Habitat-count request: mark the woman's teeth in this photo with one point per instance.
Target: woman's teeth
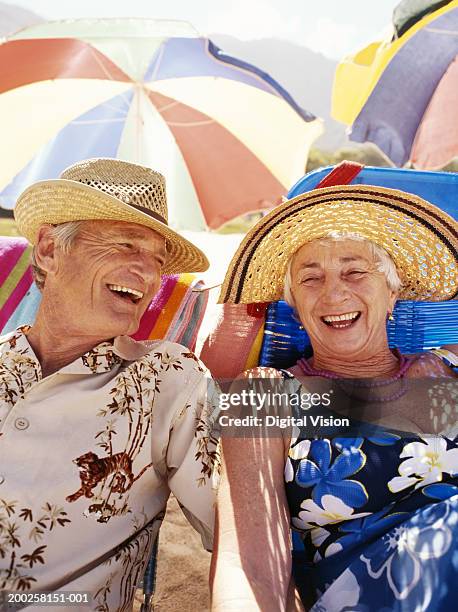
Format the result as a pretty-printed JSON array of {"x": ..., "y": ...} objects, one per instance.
[{"x": 341, "y": 321}]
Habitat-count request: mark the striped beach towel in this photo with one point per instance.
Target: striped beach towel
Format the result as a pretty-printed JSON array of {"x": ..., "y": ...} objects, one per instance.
[{"x": 175, "y": 313}]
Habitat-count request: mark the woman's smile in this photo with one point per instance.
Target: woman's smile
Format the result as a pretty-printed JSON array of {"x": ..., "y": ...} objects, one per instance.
[{"x": 342, "y": 321}]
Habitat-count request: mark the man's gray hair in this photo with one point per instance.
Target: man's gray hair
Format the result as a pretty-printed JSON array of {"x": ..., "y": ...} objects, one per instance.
[
  {"x": 64, "y": 235},
  {"x": 382, "y": 259}
]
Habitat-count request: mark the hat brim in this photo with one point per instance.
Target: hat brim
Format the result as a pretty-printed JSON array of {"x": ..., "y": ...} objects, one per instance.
[
  {"x": 61, "y": 200},
  {"x": 421, "y": 239}
]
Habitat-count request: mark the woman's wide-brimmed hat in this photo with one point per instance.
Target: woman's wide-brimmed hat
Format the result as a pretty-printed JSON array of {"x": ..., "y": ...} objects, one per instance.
[
  {"x": 107, "y": 190},
  {"x": 421, "y": 239}
]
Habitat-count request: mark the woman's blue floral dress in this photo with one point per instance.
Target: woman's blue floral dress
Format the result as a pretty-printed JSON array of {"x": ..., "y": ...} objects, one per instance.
[{"x": 375, "y": 522}]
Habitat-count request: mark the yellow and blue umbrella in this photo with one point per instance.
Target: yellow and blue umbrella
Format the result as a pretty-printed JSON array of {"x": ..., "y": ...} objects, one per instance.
[
  {"x": 400, "y": 93},
  {"x": 228, "y": 138}
]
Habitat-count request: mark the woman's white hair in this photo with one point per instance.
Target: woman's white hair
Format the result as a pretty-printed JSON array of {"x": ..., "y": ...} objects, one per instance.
[
  {"x": 382, "y": 259},
  {"x": 64, "y": 235}
]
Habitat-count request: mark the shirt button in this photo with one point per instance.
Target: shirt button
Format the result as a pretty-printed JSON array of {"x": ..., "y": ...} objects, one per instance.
[
  {"x": 29, "y": 375},
  {"x": 2, "y": 479},
  {"x": 21, "y": 423}
]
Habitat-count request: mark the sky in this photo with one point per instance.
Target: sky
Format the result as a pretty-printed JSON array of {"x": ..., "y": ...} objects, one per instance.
[{"x": 333, "y": 27}]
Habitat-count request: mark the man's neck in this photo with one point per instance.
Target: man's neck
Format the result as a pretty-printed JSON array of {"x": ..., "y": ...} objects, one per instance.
[{"x": 56, "y": 346}]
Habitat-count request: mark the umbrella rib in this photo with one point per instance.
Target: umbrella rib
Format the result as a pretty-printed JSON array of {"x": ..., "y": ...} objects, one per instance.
[
  {"x": 103, "y": 68},
  {"x": 439, "y": 31},
  {"x": 168, "y": 106},
  {"x": 158, "y": 62},
  {"x": 89, "y": 121},
  {"x": 189, "y": 123},
  {"x": 109, "y": 106}
]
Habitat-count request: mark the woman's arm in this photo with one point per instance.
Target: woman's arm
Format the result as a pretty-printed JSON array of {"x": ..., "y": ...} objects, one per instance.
[{"x": 251, "y": 565}]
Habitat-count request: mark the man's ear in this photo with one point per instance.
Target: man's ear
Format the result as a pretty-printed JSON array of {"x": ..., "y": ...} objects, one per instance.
[{"x": 45, "y": 250}]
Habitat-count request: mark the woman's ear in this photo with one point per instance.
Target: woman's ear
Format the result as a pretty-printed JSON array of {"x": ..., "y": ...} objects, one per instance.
[
  {"x": 392, "y": 299},
  {"x": 45, "y": 250}
]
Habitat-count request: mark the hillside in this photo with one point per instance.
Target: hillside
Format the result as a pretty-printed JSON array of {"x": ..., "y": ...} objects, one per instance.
[{"x": 13, "y": 18}]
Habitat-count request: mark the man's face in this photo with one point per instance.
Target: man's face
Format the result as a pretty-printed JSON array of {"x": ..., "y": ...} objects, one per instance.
[{"x": 106, "y": 281}]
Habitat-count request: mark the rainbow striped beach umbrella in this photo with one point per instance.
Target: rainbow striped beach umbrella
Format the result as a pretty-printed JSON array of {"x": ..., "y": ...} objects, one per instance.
[
  {"x": 227, "y": 137},
  {"x": 401, "y": 93}
]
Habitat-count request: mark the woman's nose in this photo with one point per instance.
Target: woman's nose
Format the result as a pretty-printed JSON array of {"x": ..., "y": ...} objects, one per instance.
[{"x": 334, "y": 290}]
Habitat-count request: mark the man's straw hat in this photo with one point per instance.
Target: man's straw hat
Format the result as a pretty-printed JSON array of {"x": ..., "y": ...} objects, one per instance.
[
  {"x": 421, "y": 239},
  {"x": 110, "y": 190}
]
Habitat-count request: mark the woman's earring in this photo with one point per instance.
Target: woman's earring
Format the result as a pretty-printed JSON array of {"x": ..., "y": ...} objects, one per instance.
[{"x": 390, "y": 316}]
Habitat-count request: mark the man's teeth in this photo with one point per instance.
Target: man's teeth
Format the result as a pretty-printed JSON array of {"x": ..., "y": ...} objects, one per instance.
[
  {"x": 122, "y": 289},
  {"x": 344, "y": 317}
]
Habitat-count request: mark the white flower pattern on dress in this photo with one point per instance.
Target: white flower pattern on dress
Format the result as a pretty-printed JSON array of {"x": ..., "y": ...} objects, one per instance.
[
  {"x": 300, "y": 451},
  {"x": 333, "y": 511},
  {"x": 407, "y": 546},
  {"x": 424, "y": 464}
]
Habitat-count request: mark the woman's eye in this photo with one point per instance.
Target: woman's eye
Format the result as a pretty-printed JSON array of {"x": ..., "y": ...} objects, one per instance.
[{"x": 126, "y": 245}]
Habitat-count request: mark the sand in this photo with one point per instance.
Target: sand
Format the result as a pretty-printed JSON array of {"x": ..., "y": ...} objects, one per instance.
[
  {"x": 183, "y": 564},
  {"x": 182, "y": 568}
]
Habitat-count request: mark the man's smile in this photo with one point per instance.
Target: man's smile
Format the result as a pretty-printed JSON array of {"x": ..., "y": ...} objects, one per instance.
[{"x": 127, "y": 293}]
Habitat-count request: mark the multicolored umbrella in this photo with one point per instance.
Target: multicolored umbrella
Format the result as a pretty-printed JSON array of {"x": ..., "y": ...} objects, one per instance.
[
  {"x": 401, "y": 94},
  {"x": 227, "y": 137}
]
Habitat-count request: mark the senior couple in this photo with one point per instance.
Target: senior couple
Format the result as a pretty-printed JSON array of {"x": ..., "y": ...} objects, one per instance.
[{"x": 97, "y": 429}]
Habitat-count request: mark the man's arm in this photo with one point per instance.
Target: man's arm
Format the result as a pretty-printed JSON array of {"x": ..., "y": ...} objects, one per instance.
[
  {"x": 193, "y": 456},
  {"x": 251, "y": 565}
]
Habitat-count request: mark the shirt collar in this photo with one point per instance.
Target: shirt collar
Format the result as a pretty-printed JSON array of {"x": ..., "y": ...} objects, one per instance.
[{"x": 102, "y": 358}]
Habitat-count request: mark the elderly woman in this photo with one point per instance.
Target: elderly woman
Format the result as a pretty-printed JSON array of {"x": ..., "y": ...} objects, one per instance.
[{"x": 377, "y": 510}]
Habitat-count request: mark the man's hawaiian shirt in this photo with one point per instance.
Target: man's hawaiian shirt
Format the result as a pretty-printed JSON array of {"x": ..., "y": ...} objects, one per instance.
[{"x": 88, "y": 458}]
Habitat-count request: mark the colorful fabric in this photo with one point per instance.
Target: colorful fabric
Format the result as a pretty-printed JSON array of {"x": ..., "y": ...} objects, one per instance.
[
  {"x": 89, "y": 456},
  {"x": 449, "y": 358},
  {"x": 436, "y": 140},
  {"x": 386, "y": 90},
  {"x": 15, "y": 276},
  {"x": 174, "y": 314},
  {"x": 239, "y": 332},
  {"x": 156, "y": 93},
  {"x": 377, "y": 514}
]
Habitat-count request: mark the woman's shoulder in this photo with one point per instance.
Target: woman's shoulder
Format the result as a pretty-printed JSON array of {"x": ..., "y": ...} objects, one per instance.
[{"x": 434, "y": 364}]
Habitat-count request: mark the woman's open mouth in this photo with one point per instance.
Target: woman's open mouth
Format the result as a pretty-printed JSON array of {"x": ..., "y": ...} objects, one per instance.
[
  {"x": 126, "y": 293},
  {"x": 343, "y": 321}
]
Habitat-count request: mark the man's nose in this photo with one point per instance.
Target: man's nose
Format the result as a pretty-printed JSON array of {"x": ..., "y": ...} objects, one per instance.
[{"x": 145, "y": 265}]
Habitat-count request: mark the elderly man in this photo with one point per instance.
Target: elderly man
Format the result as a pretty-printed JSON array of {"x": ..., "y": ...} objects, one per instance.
[{"x": 96, "y": 429}]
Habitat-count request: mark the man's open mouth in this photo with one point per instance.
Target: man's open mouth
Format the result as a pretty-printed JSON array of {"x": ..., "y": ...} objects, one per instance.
[
  {"x": 342, "y": 321},
  {"x": 127, "y": 293}
]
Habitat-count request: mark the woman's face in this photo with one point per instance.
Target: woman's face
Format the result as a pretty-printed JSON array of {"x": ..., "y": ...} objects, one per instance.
[{"x": 341, "y": 297}]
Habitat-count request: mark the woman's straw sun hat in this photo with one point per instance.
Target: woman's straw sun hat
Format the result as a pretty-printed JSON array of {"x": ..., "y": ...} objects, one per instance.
[
  {"x": 421, "y": 239},
  {"x": 108, "y": 190}
]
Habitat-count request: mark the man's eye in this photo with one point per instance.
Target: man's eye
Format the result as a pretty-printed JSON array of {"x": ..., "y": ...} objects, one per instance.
[
  {"x": 356, "y": 273},
  {"x": 309, "y": 280},
  {"x": 126, "y": 245}
]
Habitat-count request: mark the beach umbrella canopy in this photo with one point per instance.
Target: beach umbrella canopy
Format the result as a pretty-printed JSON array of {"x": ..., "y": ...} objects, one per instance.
[
  {"x": 227, "y": 137},
  {"x": 401, "y": 93}
]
